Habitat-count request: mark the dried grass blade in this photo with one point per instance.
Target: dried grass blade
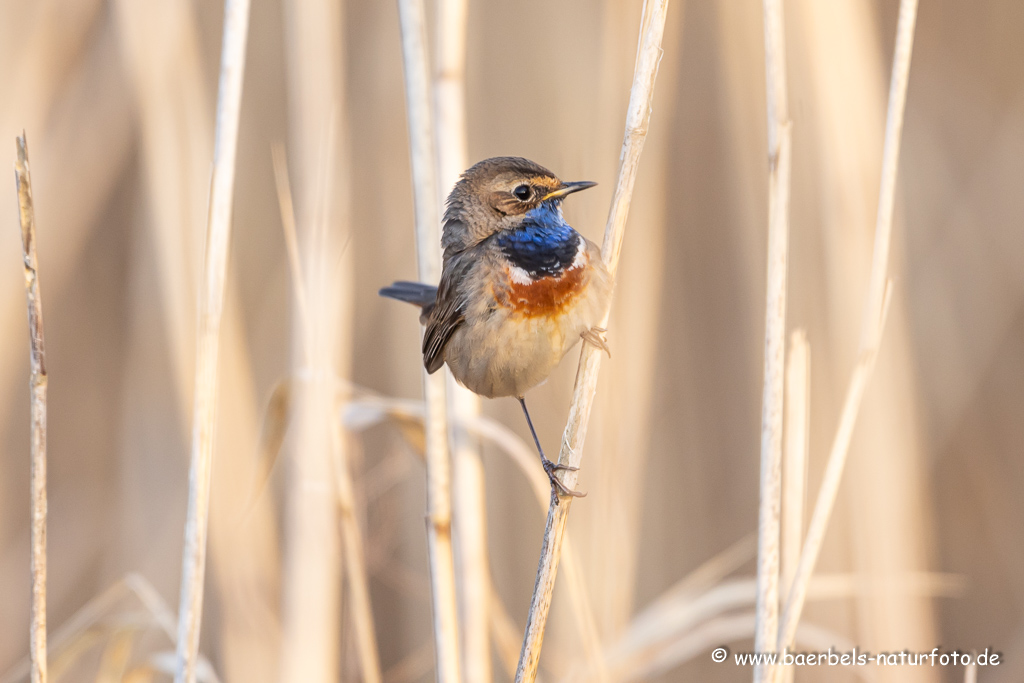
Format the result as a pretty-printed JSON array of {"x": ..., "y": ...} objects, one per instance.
[
  {"x": 412, "y": 18},
  {"x": 637, "y": 118},
  {"x": 872, "y": 326},
  {"x": 37, "y": 387},
  {"x": 236, "y": 29}
]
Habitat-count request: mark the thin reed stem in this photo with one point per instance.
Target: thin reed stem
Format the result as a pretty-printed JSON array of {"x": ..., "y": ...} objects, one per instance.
[
  {"x": 971, "y": 670},
  {"x": 355, "y": 564},
  {"x": 469, "y": 494},
  {"x": 637, "y": 119},
  {"x": 872, "y": 326},
  {"x": 794, "y": 468},
  {"x": 779, "y": 157},
  {"x": 211, "y": 304},
  {"x": 354, "y": 552},
  {"x": 37, "y": 392},
  {"x": 525, "y": 458},
  {"x": 325, "y": 539},
  {"x": 412, "y": 17}
]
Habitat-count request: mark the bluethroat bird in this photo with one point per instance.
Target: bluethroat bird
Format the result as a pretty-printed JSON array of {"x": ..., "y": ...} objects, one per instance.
[{"x": 518, "y": 289}]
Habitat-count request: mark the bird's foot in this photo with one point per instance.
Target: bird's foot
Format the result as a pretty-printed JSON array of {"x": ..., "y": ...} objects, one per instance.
[
  {"x": 557, "y": 487},
  {"x": 595, "y": 336}
]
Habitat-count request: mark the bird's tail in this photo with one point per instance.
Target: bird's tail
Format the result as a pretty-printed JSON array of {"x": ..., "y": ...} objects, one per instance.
[{"x": 417, "y": 293}]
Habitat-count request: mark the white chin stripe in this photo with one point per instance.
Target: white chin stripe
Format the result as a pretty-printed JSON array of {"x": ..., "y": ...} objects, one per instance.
[
  {"x": 519, "y": 276},
  {"x": 581, "y": 254}
]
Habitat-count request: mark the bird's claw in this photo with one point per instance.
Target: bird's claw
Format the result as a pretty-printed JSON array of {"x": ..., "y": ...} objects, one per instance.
[
  {"x": 557, "y": 487},
  {"x": 595, "y": 336}
]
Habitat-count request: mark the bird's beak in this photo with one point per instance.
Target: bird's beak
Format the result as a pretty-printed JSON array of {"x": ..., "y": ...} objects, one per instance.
[{"x": 568, "y": 188}]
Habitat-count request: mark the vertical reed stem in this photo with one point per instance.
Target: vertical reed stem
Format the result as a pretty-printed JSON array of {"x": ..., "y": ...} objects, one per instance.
[
  {"x": 37, "y": 392},
  {"x": 779, "y": 132},
  {"x": 637, "y": 119},
  {"x": 412, "y": 17},
  {"x": 322, "y": 270},
  {"x": 469, "y": 500},
  {"x": 211, "y": 304},
  {"x": 872, "y": 325},
  {"x": 794, "y": 469}
]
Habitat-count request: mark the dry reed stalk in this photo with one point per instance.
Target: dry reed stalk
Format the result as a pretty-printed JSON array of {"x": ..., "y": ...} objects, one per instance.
[
  {"x": 526, "y": 459},
  {"x": 683, "y": 616},
  {"x": 887, "y": 520},
  {"x": 236, "y": 24},
  {"x": 90, "y": 625},
  {"x": 412, "y": 17},
  {"x": 470, "y": 529},
  {"x": 354, "y": 558},
  {"x": 877, "y": 289},
  {"x": 90, "y": 132},
  {"x": 971, "y": 672},
  {"x": 724, "y": 629},
  {"x": 365, "y": 412},
  {"x": 829, "y": 488},
  {"x": 469, "y": 501},
  {"x": 637, "y": 118},
  {"x": 321, "y": 334},
  {"x": 872, "y": 326},
  {"x": 779, "y": 137},
  {"x": 794, "y": 469},
  {"x": 621, "y": 445},
  {"x": 354, "y": 555},
  {"x": 37, "y": 386},
  {"x": 162, "y": 52}
]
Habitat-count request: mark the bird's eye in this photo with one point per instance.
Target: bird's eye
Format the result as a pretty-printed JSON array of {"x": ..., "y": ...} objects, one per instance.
[{"x": 522, "y": 192}]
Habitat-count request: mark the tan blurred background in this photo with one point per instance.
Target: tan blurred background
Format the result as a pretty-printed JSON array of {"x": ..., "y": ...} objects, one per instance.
[{"x": 117, "y": 99}]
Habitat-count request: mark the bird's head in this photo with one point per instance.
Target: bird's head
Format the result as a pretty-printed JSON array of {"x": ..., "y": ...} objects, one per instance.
[{"x": 499, "y": 194}]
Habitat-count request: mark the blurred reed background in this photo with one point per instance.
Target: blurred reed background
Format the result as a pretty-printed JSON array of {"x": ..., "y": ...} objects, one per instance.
[{"x": 927, "y": 541}]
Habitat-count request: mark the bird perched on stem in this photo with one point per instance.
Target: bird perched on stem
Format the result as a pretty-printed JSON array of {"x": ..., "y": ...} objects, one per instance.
[{"x": 518, "y": 289}]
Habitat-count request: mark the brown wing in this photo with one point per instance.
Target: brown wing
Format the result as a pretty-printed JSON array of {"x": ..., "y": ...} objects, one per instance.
[{"x": 448, "y": 313}]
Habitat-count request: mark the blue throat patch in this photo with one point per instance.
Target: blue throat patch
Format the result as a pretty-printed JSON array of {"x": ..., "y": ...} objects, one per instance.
[{"x": 544, "y": 245}]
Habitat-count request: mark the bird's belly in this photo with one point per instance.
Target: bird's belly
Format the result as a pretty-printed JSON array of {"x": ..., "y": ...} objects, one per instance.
[{"x": 505, "y": 351}]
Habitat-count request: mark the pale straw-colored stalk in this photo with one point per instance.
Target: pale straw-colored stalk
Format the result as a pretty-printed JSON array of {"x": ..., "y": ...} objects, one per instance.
[
  {"x": 886, "y": 522},
  {"x": 727, "y": 628},
  {"x": 637, "y": 119},
  {"x": 469, "y": 501},
  {"x": 684, "y": 615},
  {"x": 878, "y": 286},
  {"x": 131, "y": 603},
  {"x": 37, "y": 393},
  {"x": 779, "y": 158},
  {"x": 354, "y": 552},
  {"x": 229, "y": 101},
  {"x": 971, "y": 671},
  {"x": 794, "y": 466},
  {"x": 610, "y": 533},
  {"x": 163, "y": 57},
  {"x": 90, "y": 133},
  {"x": 359, "y": 414},
  {"x": 797, "y": 441},
  {"x": 321, "y": 502},
  {"x": 872, "y": 326},
  {"x": 412, "y": 17},
  {"x": 354, "y": 557}
]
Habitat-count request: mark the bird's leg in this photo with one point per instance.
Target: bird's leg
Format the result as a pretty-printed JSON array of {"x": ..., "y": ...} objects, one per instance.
[
  {"x": 550, "y": 467},
  {"x": 595, "y": 336}
]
